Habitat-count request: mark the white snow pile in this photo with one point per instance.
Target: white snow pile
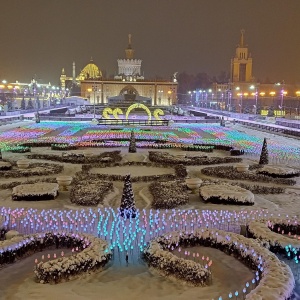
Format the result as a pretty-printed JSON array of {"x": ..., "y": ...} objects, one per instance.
[
  {"x": 226, "y": 193},
  {"x": 35, "y": 189},
  {"x": 277, "y": 170},
  {"x": 276, "y": 278},
  {"x": 260, "y": 229}
]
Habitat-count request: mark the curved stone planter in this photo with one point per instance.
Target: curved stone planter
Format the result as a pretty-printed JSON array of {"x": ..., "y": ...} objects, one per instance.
[
  {"x": 64, "y": 182},
  {"x": 23, "y": 164},
  {"x": 242, "y": 167},
  {"x": 193, "y": 183}
]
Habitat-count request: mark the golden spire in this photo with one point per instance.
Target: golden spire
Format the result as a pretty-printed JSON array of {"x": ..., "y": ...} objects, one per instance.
[
  {"x": 129, "y": 51},
  {"x": 242, "y": 38},
  {"x": 129, "y": 41},
  {"x": 63, "y": 71}
]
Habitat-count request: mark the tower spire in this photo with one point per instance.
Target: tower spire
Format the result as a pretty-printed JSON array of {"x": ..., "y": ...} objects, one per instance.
[
  {"x": 73, "y": 73},
  {"x": 129, "y": 41},
  {"x": 242, "y": 38},
  {"x": 129, "y": 51}
]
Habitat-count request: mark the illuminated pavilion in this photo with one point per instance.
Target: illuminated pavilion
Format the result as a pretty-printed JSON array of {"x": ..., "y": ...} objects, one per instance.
[{"x": 127, "y": 87}]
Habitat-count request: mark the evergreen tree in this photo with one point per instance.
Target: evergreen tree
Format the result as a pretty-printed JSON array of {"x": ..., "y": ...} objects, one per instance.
[
  {"x": 271, "y": 112},
  {"x": 37, "y": 118},
  {"x": 132, "y": 145},
  {"x": 222, "y": 122},
  {"x": 23, "y": 103},
  {"x": 29, "y": 104},
  {"x": 127, "y": 207},
  {"x": 38, "y": 102},
  {"x": 264, "y": 156},
  {"x": 9, "y": 105}
]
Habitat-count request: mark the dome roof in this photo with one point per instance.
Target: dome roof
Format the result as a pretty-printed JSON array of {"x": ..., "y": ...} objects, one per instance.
[{"x": 90, "y": 71}]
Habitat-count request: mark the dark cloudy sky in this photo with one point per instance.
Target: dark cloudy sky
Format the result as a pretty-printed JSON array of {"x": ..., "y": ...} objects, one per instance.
[{"x": 41, "y": 37}]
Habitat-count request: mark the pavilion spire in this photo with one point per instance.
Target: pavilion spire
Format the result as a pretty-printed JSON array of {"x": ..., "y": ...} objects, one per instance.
[
  {"x": 242, "y": 38},
  {"x": 129, "y": 51}
]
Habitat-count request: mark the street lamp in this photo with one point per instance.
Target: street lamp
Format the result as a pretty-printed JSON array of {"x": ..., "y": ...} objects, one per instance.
[
  {"x": 283, "y": 93},
  {"x": 252, "y": 87},
  {"x": 94, "y": 89},
  {"x": 241, "y": 102}
]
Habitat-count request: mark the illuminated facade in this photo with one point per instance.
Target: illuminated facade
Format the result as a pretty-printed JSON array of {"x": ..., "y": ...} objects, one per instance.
[
  {"x": 127, "y": 87},
  {"x": 241, "y": 64},
  {"x": 243, "y": 92}
]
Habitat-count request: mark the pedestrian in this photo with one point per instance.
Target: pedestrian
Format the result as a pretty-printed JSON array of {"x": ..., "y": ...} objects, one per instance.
[{"x": 126, "y": 257}]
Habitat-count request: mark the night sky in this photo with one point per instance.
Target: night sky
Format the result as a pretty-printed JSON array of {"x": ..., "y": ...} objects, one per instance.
[{"x": 39, "y": 37}]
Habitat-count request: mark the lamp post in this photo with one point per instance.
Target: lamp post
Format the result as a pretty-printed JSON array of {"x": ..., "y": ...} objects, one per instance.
[
  {"x": 94, "y": 89},
  {"x": 252, "y": 87},
  {"x": 222, "y": 101}
]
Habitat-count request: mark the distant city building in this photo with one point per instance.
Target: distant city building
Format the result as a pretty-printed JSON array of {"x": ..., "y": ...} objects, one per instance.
[
  {"x": 243, "y": 91},
  {"x": 241, "y": 64},
  {"x": 127, "y": 87}
]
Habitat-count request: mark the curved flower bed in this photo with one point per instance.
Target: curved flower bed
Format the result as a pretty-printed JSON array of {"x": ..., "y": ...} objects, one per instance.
[
  {"x": 166, "y": 158},
  {"x": 230, "y": 172},
  {"x": 88, "y": 192},
  {"x": 63, "y": 147},
  {"x": 12, "y": 184},
  {"x": 94, "y": 254},
  {"x": 114, "y": 156},
  {"x": 36, "y": 169},
  {"x": 180, "y": 171},
  {"x": 18, "y": 149},
  {"x": 5, "y": 165},
  {"x": 226, "y": 194},
  {"x": 114, "y": 177},
  {"x": 3, "y": 228},
  {"x": 276, "y": 278},
  {"x": 168, "y": 194},
  {"x": 254, "y": 188},
  {"x": 271, "y": 232},
  {"x": 278, "y": 172},
  {"x": 261, "y": 189},
  {"x": 201, "y": 148},
  {"x": 158, "y": 256}
]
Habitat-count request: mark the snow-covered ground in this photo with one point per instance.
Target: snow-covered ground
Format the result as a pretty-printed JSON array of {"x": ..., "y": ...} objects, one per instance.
[{"x": 135, "y": 280}]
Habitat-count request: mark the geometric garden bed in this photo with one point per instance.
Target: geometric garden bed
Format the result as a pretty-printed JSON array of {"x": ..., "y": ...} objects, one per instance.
[
  {"x": 230, "y": 172},
  {"x": 274, "y": 278},
  {"x": 35, "y": 169}
]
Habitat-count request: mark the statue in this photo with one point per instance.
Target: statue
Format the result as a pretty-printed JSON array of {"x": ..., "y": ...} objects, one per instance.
[{"x": 174, "y": 77}]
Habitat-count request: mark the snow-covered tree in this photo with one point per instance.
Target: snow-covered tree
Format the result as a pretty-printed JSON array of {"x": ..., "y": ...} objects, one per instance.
[
  {"x": 29, "y": 104},
  {"x": 132, "y": 145},
  {"x": 23, "y": 103},
  {"x": 264, "y": 156}
]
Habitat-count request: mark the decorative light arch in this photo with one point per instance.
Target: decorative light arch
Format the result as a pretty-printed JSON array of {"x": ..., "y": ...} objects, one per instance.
[
  {"x": 116, "y": 112},
  {"x": 106, "y": 112},
  {"x": 138, "y": 105},
  {"x": 158, "y": 112}
]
